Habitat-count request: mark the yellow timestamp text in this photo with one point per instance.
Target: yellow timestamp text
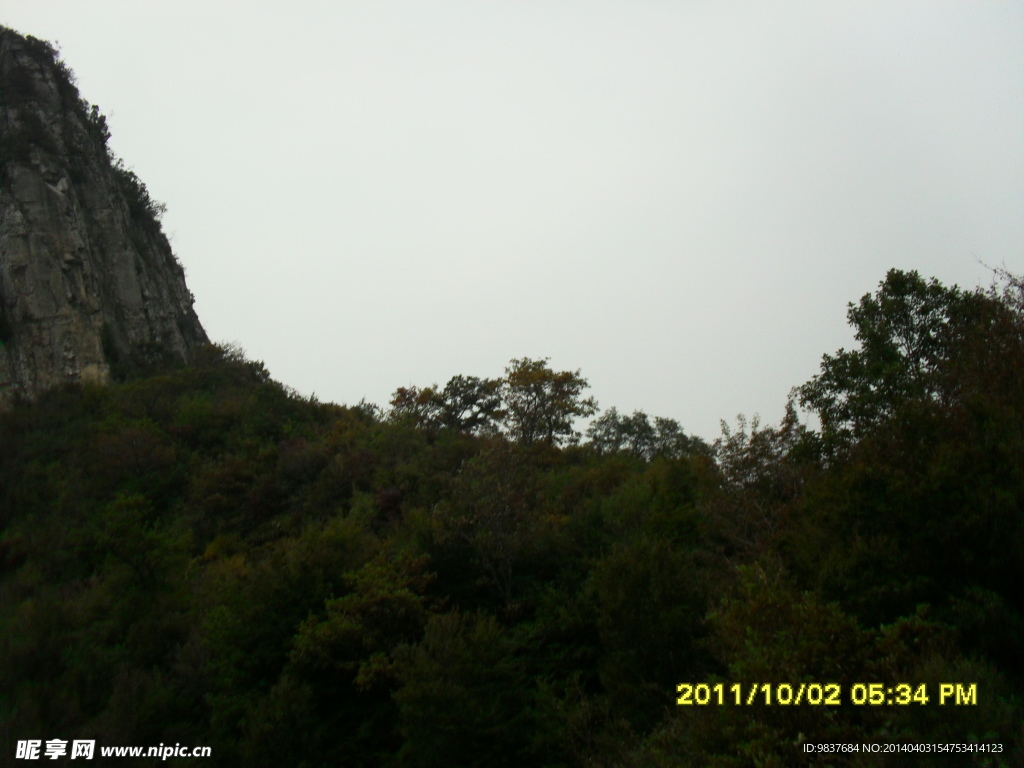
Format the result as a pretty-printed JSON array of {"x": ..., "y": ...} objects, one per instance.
[{"x": 825, "y": 694}]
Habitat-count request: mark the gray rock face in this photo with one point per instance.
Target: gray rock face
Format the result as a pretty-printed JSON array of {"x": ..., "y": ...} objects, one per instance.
[{"x": 89, "y": 286}]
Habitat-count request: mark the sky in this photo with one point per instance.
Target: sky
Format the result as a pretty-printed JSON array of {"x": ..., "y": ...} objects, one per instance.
[{"x": 678, "y": 199}]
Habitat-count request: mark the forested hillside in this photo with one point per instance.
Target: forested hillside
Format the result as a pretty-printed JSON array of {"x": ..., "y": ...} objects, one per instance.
[{"x": 199, "y": 555}]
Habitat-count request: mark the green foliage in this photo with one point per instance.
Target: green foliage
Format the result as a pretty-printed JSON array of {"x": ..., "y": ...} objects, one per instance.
[
  {"x": 927, "y": 502},
  {"x": 542, "y": 404},
  {"x": 492, "y": 517},
  {"x": 360, "y": 631},
  {"x": 471, "y": 404},
  {"x": 463, "y": 699},
  {"x": 466, "y": 404},
  {"x": 759, "y": 477},
  {"x": 637, "y": 435},
  {"x": 141, "y": 207},
  {"x": 650, "y": 608},
  {"x": 535, "y": 404},
  {"x": 911, "y": 332},
  {"x": 96, "y": 124},
  {"x": 196, "y": 554}
]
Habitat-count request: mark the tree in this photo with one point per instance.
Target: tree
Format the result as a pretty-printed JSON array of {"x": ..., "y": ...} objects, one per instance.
[
  {"x": 414, "y": 406},
  {"x": 541, "y": 404},
  {"x": 908, "y": 333},
  {"x": 762, "y": 472},
  {"x": 649, "y": 608},
  {"x": 635, "y": 434},
  {"x": 470, "y": 404},
  {"x": 923, "y": 425},
  {"x": 466, "y": 404},
  {"x": 492, "y": 510},
  {"x": 463, "y": 697},
  {"x": 611, "y": 432}
]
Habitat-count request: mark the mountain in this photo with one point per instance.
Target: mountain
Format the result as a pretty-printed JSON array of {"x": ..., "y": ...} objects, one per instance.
[{"x": 89, "y": 287}]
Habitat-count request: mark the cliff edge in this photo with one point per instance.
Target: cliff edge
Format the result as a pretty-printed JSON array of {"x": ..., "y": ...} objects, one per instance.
[{"x": 89, "y": 286}]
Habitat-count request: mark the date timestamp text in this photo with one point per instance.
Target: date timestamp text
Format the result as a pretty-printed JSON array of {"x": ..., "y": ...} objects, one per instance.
[{"x": 825, "y": 694}]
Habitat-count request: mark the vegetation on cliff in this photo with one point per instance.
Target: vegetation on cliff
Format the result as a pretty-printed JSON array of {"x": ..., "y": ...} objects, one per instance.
[
  {"x": 24, "y": 126},
  {"x": 199, "y": 555},
  {"x": 89, "y": 284}
]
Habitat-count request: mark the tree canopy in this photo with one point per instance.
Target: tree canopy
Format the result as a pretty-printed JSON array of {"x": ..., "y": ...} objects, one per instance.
[
  {"x": 198, "y": 555},
  {"x": 533, "y": 403},
  {"x": 914, "y": 336}
]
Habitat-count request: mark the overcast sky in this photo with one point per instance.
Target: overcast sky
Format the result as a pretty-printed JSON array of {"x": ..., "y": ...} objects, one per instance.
[{"x": 677, "y": 198}]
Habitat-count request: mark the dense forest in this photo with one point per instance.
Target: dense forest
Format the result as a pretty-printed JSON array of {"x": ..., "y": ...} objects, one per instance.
[{"x": 200, "y": 555}]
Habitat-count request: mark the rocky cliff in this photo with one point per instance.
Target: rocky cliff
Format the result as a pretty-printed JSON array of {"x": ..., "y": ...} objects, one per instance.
[{"x": 89, "y": 286}]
